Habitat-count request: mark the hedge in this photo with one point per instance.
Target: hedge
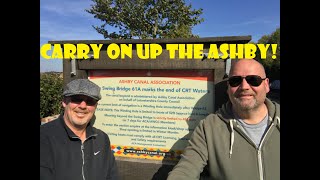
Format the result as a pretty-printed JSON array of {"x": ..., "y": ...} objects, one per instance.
[{"x": 51, "y": 88}]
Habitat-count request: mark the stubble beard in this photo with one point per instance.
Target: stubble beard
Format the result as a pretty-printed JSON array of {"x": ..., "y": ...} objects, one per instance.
[
  {"x": 246, "y": 105},
  {"x": 78, "y": 122}
]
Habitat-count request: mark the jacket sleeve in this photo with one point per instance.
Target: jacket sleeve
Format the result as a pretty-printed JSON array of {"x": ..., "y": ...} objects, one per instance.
[
  {"x": 194, "y": 157},
  {"x": 112, "y": 168},
  {"x": 46, "y": 161}
]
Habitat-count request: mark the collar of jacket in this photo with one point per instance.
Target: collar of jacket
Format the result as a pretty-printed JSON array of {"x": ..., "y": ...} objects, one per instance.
[
  {"x": 225, "y": 112},
  {"x": 89, "y": 129}
]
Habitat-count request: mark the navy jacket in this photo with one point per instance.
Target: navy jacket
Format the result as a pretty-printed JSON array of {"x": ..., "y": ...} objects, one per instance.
[{"x": 64, "y": 157}]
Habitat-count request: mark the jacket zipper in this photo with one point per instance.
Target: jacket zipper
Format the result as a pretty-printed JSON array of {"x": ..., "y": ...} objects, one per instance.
[
  {"x": 82, "y": 161},
  {"x": 82, "y": 152},
  {"x": 260, "y": 164},
  {"x": 261, "y": 174}
]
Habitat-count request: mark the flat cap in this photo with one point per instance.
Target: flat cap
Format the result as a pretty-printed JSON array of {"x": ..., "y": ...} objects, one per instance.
[{"x": 82, "y": 87}]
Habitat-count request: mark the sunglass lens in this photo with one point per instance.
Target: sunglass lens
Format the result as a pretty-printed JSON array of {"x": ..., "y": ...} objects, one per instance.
[
  {"x": 79, "y": 99},
  {"x": 76, "y": 99},
  {"x": 254, "y": 80},
  {"x": 91, "y": 102},
  {"x": 235, "y": 81}
]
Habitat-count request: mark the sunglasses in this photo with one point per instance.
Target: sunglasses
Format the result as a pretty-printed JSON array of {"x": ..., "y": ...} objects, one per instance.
[
  {"x": 252, "y": 80},
  {"x": 78, "y": 99}
]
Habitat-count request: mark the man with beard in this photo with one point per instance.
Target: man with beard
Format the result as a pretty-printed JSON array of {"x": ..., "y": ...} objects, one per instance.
[
  {"x": 70, "y": 147},
  {"x": 242, "y": 139}
]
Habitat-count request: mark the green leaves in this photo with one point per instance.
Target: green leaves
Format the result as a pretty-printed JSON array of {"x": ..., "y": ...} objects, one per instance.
[
  {"x": 272, "y": 66},
  {"x": 51, "y": 88},
  {"x": 145, "y": 18}
]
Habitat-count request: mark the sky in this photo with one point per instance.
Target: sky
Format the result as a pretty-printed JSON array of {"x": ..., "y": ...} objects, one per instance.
[{"x": 68, "y": 20}]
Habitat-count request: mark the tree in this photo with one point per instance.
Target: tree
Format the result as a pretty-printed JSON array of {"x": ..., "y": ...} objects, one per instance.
[
  {"x": 51, "y": 88},
  {"x": 145, "y": 19},
  {"x": 272, "y": 66}
]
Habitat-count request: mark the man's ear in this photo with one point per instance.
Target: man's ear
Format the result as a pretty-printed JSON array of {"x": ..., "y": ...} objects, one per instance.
[
  {"x": 65, "y": 101},
  {"x": 267, "y": 85}
]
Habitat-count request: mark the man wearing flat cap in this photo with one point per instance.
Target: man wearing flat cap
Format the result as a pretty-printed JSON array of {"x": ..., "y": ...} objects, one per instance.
[{"x": 70, "y": 147}]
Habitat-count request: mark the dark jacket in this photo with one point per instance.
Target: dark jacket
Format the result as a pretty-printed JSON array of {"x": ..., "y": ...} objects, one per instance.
[
  {"x": 64, "y": 157},
  {"x": 220, "y": 145}
]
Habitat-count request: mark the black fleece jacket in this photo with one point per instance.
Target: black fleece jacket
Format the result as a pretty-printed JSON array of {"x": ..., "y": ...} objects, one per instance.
[{"x": 64, "y": 157}]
